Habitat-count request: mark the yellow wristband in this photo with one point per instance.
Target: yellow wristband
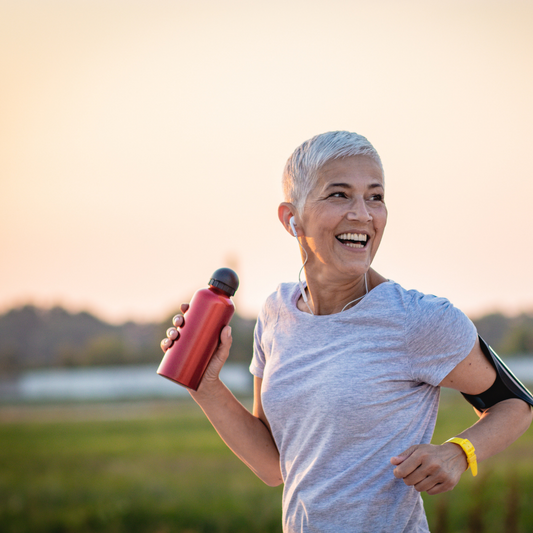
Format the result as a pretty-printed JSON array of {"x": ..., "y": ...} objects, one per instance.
[{"x": 469, "y": 450}]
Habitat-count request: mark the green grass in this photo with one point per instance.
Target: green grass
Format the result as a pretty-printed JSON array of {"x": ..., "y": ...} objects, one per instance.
[{"x": 167, "y": 470}]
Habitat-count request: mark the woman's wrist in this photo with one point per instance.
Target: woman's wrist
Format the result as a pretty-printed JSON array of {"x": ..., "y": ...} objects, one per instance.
[
  {"x": 459, "y": 457},
  {"x": 209, "y": 390}
]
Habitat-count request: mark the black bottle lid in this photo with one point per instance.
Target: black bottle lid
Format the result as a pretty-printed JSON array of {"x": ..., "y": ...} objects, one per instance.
[{"x": 226, "y": 280}]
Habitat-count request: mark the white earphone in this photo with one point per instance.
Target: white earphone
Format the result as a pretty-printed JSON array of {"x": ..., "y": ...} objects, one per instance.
[{"x": 293, "y": 226}]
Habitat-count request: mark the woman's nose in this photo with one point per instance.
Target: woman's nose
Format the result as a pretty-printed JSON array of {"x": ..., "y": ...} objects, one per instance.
[{"x": 359, "y": 212}]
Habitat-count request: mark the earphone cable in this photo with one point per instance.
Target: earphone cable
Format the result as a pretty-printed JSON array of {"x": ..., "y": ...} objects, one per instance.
[{"x": 302, "y": 289}]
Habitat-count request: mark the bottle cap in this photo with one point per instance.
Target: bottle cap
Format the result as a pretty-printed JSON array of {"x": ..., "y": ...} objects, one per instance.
[{"x": 225, "y": 279}]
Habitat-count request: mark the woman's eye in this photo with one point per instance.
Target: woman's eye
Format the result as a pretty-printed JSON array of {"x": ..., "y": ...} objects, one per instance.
[
  {"x": 338, "y": 195},
  {"x": 376, "y": 198}
]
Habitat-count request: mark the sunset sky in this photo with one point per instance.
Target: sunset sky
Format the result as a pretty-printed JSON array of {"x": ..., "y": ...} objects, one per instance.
[{"x": 142, "y": 144}]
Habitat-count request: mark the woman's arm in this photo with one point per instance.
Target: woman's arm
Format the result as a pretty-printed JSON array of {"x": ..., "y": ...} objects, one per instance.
[
  {"x": 438, "y": 468},
  {"x": 247, "y": 435}
]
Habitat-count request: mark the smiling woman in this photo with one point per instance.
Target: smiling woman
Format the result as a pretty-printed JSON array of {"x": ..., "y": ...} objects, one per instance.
[{"x": 348, "y": 368}]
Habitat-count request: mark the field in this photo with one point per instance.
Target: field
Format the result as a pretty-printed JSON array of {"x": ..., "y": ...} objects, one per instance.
[{"x": 159, "y": 467}]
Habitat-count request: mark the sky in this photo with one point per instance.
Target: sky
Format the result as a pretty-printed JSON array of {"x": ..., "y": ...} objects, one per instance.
[{"x": 142, "y": 144}]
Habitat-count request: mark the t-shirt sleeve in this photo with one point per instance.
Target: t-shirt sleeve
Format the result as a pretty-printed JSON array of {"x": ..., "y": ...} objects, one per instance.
[
  {"x": 438, "y": 336},
  {"x": 258, "y": 360}
]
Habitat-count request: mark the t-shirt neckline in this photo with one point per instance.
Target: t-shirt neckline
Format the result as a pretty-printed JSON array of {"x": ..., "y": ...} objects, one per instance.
[{"x": 296, "y": 294}]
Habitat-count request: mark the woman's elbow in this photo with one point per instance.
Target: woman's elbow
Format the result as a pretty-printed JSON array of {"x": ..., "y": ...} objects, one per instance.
[
  {"x": 273, "y": 482},
  {"x": 271, "y": 478},
  {"x": 522, "y": 411},
  {"x": 526, "y": 412}
]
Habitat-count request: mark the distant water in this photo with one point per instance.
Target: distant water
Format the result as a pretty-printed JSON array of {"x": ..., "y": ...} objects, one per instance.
[
  {"x": 522, "y": 367},
  {"x": 111, "y": 383}
]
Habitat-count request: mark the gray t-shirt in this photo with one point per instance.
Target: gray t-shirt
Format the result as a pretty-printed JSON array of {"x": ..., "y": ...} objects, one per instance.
[{"x": 344, "y": 393}]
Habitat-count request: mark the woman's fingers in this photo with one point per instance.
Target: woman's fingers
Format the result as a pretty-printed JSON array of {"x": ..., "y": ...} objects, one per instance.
[
  {"x": 172, "y": 335},
  {"x": 430, "y": 468},
  {"x": 178, "y": 321}
]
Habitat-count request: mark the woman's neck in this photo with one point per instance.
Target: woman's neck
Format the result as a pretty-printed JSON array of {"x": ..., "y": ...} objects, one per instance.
[{"x": 327, "y": 297}]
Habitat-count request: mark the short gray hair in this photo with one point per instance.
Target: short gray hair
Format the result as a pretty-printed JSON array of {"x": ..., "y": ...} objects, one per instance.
[{"x": 301, "y": 170}]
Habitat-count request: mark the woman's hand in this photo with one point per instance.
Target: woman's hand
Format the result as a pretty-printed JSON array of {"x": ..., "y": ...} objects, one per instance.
[
  {"x": 210, "y": 378},
  {"x": 431, "y": 468},
  {"x": 210, "y": 381}
]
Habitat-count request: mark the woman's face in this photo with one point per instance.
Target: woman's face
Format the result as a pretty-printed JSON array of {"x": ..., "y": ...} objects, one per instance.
[{"x": 344, "y": 217}]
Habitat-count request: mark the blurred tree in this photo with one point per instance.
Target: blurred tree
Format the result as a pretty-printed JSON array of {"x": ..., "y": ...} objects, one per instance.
[
  {"x": 10, "y": 361},
  {"x": 31, "y": 337},
  {"x": 104, "y": 350},
  {"x": 507, "y": 335},
  {"x": 493, "y": 327},
  {"x": 519, "y": 338}
]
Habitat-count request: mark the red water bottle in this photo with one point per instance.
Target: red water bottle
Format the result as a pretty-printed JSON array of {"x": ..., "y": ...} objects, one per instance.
[{"x": 209, "y": 311}]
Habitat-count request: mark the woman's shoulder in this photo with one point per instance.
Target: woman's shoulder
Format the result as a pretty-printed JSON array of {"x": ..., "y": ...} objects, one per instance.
[
  {"x": 284, "y": 291},
  {"x": 390, "y": 290},
  {"x": 283, "y": 295},
  {"x": 425, "y": 312},
  {"x": 414, "y": 296},
  {"x": 416, "y": 307}
]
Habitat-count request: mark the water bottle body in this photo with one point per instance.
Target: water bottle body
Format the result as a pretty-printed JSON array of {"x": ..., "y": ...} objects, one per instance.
[{"x": 210, "y": 309}]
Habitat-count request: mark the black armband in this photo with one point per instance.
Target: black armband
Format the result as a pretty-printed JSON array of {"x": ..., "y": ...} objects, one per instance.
[{"x": 506, "y": 386}]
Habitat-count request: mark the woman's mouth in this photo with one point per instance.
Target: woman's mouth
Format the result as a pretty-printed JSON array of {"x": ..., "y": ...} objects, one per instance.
[{"x": 353, "y": 240}]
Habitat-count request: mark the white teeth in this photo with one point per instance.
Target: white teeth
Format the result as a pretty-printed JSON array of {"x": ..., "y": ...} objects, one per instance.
[{"x": 353, "y": 237}]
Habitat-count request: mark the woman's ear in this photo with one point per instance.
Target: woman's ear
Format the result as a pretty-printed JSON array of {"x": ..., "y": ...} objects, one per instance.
[{"x": 286, "y": 214}]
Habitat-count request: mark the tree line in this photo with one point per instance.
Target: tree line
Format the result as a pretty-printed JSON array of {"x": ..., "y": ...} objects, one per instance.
[{"x": 33, "y": 337}]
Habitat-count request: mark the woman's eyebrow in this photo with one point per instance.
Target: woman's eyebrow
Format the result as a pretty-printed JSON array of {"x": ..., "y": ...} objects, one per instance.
[
  {"x": 332, "y": 185},
  {"x": 374, "y": 185}
]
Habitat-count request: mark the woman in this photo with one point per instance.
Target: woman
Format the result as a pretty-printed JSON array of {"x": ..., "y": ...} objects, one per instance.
[{"x": 348, "y": 366}]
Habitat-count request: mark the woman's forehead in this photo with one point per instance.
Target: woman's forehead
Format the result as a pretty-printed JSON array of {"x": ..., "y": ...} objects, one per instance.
[{"x": 359, "y": 169}]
